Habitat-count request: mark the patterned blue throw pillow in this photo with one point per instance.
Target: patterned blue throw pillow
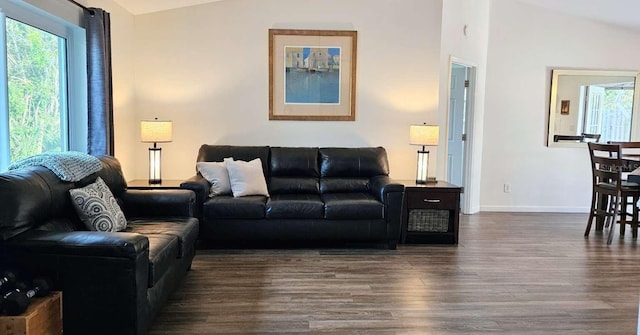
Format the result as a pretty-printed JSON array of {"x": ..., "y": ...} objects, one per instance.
[{"x": 97, "y": 207}]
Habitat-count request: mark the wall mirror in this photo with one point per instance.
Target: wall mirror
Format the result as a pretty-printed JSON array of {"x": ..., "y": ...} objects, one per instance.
[{"x": 592, "y": 106}]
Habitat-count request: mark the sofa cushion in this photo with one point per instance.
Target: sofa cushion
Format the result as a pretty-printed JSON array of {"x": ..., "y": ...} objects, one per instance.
[
  {"x": 185, "y": 229},
  {"x": 279, "y": 185},
  {"x": 294, "y": 162},
  {"x": 216, "y": 174},
  {"x": 344, "y": 185},
  {"x": 295, "y": 206},
  {"x": 228, "y": 207},
  {"x": 353, "y": 162},
  {"x": 112, "y": 175},
  {"x": 163, "y": 251},
  {"x": 340, "y": 206},
  {"x": 246, "y": 178},
  {"x": 28, "y": 197},
  {"x": 97, "y": 207},
  {"x": 294, "y": 170}
]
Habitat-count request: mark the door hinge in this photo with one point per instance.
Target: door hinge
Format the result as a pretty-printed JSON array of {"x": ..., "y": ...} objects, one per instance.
[
  {"x": 464, "y": 137},
  {"x": 466, "y": 83}
]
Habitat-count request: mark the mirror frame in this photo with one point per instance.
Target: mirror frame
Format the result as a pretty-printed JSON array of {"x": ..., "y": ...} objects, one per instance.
[{"x": 553, "y": 102}]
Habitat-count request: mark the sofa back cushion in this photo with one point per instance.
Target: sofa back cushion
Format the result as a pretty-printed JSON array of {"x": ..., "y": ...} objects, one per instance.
[
  {"x": 217, "y": 153},
  {"x": 111, "y": 174},
  {"x": 30, "y": 197},
  {"x": 344, "y": 170},
  {"x": 294, "y": 170}
]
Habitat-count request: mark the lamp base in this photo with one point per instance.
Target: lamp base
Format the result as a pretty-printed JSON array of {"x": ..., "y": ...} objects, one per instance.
[{"x": 154, "y": 165}]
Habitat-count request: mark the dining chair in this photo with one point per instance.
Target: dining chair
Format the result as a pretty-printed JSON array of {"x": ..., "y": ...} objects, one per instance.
[
  {"x": 573, "y": 138},
  {"x": 630, "y": 154},
  {"x": 591, "y": 137},
  {"x": 609, "y": 193}
]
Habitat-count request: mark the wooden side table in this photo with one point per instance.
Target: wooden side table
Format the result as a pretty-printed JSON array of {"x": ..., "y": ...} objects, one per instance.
[
  {"x": 143, "y": 184},
  {"x": 42, "y": 317},
  {"x": 430, "y": 212}
]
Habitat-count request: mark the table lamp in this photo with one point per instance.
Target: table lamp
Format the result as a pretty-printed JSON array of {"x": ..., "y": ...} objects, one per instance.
[
  {"x": 155, "y": 131},
  {"x": 423, "y": 135}
]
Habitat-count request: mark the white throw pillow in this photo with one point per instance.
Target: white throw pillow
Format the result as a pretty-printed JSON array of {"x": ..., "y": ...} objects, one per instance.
[
  {"x": 97, "y": 207},
  {"x": 247, "y": 178},
  {"x": 216, "y": 174}
]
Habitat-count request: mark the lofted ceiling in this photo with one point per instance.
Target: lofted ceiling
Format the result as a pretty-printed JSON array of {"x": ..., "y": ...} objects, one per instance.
[
  {"x": 617, "y": 12},
  {"x": 137, "y": 7}
]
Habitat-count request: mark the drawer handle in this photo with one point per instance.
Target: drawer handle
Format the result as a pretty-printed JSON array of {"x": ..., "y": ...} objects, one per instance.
[{"x": 434, "y": 201}]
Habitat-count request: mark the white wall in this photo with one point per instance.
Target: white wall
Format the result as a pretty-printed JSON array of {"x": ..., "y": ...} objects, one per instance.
[
  {"x": 525, "y": 42},
  {"x": 470, "y": 47},
  {"x": 206, "y": 68}
]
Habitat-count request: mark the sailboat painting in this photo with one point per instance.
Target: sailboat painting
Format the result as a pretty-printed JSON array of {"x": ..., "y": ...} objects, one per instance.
[{"x": 312, "y": 75}]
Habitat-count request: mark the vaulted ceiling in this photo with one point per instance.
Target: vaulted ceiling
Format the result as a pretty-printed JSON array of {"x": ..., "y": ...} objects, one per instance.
[
  {"x": 618, "y": 12},
  {"x": 149, "y": 6}
]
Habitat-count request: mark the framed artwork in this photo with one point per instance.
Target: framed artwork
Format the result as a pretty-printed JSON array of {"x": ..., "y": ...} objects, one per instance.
[
  {"x": 564, "y": 107},
  {"x": 312, "y": 75}
]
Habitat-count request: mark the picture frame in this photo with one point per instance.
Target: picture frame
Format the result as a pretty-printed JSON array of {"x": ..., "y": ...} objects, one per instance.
[
  {"x": 312, "y": 75},
  {"x": 564, "y": 107}
]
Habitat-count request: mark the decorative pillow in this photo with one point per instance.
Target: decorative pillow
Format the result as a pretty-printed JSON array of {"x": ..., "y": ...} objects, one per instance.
[
  {"x": 97, "y": 207},
  {"x": 247, "y": 178},
  {"x": 216, "y": 174}
]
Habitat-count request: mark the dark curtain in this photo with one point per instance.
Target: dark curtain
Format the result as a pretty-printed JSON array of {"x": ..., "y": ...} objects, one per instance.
[{"x": 98, "y": 26}]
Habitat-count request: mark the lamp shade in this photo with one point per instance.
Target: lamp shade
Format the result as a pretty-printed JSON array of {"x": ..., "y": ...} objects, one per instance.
[
  {"x": 156, "y": 131},
  {"x": 424, "y": 134}
]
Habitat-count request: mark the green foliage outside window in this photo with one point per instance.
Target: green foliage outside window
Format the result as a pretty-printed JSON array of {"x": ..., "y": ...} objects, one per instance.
[{"x": 33, "y": 58}]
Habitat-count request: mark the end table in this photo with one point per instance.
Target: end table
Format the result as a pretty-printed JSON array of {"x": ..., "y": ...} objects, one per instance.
[
  {"x": 143, "y": 184},
  {"x": 430, "y": 212}
]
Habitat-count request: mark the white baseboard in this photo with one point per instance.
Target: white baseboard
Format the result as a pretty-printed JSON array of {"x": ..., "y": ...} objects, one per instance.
[{"x": 535, "y": 209}]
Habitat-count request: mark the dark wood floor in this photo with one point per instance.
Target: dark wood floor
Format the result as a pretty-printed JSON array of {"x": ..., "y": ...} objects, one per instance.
[{"x": 510, "y": 274}]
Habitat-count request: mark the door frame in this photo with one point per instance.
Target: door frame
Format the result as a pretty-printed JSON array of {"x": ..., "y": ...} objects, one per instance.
[{"x": 466, "y": 205}]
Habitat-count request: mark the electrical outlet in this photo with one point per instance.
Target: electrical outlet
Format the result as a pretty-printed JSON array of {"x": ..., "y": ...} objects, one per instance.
[{"x": 507, "y": 188}]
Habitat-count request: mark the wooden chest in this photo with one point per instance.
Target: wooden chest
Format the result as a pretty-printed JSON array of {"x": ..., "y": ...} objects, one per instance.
[{"x": 42, "y": 317}]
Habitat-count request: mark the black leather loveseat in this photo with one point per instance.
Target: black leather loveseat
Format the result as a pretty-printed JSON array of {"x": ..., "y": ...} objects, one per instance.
[
  {"x": 315, "y": 194},
  {"x": 112, "y": 283}
]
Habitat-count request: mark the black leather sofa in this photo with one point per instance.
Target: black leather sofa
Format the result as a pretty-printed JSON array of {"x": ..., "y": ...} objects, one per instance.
[
  {"x": 316, "y": 194},
  {"x": 112, "y": 283}
]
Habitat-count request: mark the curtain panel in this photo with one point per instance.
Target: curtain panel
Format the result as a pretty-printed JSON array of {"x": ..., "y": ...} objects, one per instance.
[{"x": 100, "y": 87}]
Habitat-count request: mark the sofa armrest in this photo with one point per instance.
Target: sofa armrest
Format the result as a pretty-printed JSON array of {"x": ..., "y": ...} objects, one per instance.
[
  {"x": 200, "y": 187},
  {"x": 104, "y": 273},
  {"x": 381, "y": 186},
  {"x": 158, "y": 203},
  {"x": 80, "y": 243},
  {"x": 390, "y": 193}
]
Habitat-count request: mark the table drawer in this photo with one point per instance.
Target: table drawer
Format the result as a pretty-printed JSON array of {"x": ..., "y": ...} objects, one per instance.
[{"x": 432, "y": 200}]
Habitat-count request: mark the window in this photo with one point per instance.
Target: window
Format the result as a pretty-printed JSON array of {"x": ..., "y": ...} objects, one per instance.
[
  {"x": 42, "y": 83},
  {"x": 608, "y": 110}
]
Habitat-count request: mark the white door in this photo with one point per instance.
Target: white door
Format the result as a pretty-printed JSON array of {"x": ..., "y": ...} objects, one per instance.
[
  {"x": 459, "y": 132},
  {"x": 456, "y": 132}
]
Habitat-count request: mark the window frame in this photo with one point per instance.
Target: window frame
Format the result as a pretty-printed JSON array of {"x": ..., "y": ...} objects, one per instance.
[{"x": 74, "y": 121}]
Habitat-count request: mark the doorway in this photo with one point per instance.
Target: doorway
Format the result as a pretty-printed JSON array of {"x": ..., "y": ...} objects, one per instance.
[{"x": 461, "y": 78}]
